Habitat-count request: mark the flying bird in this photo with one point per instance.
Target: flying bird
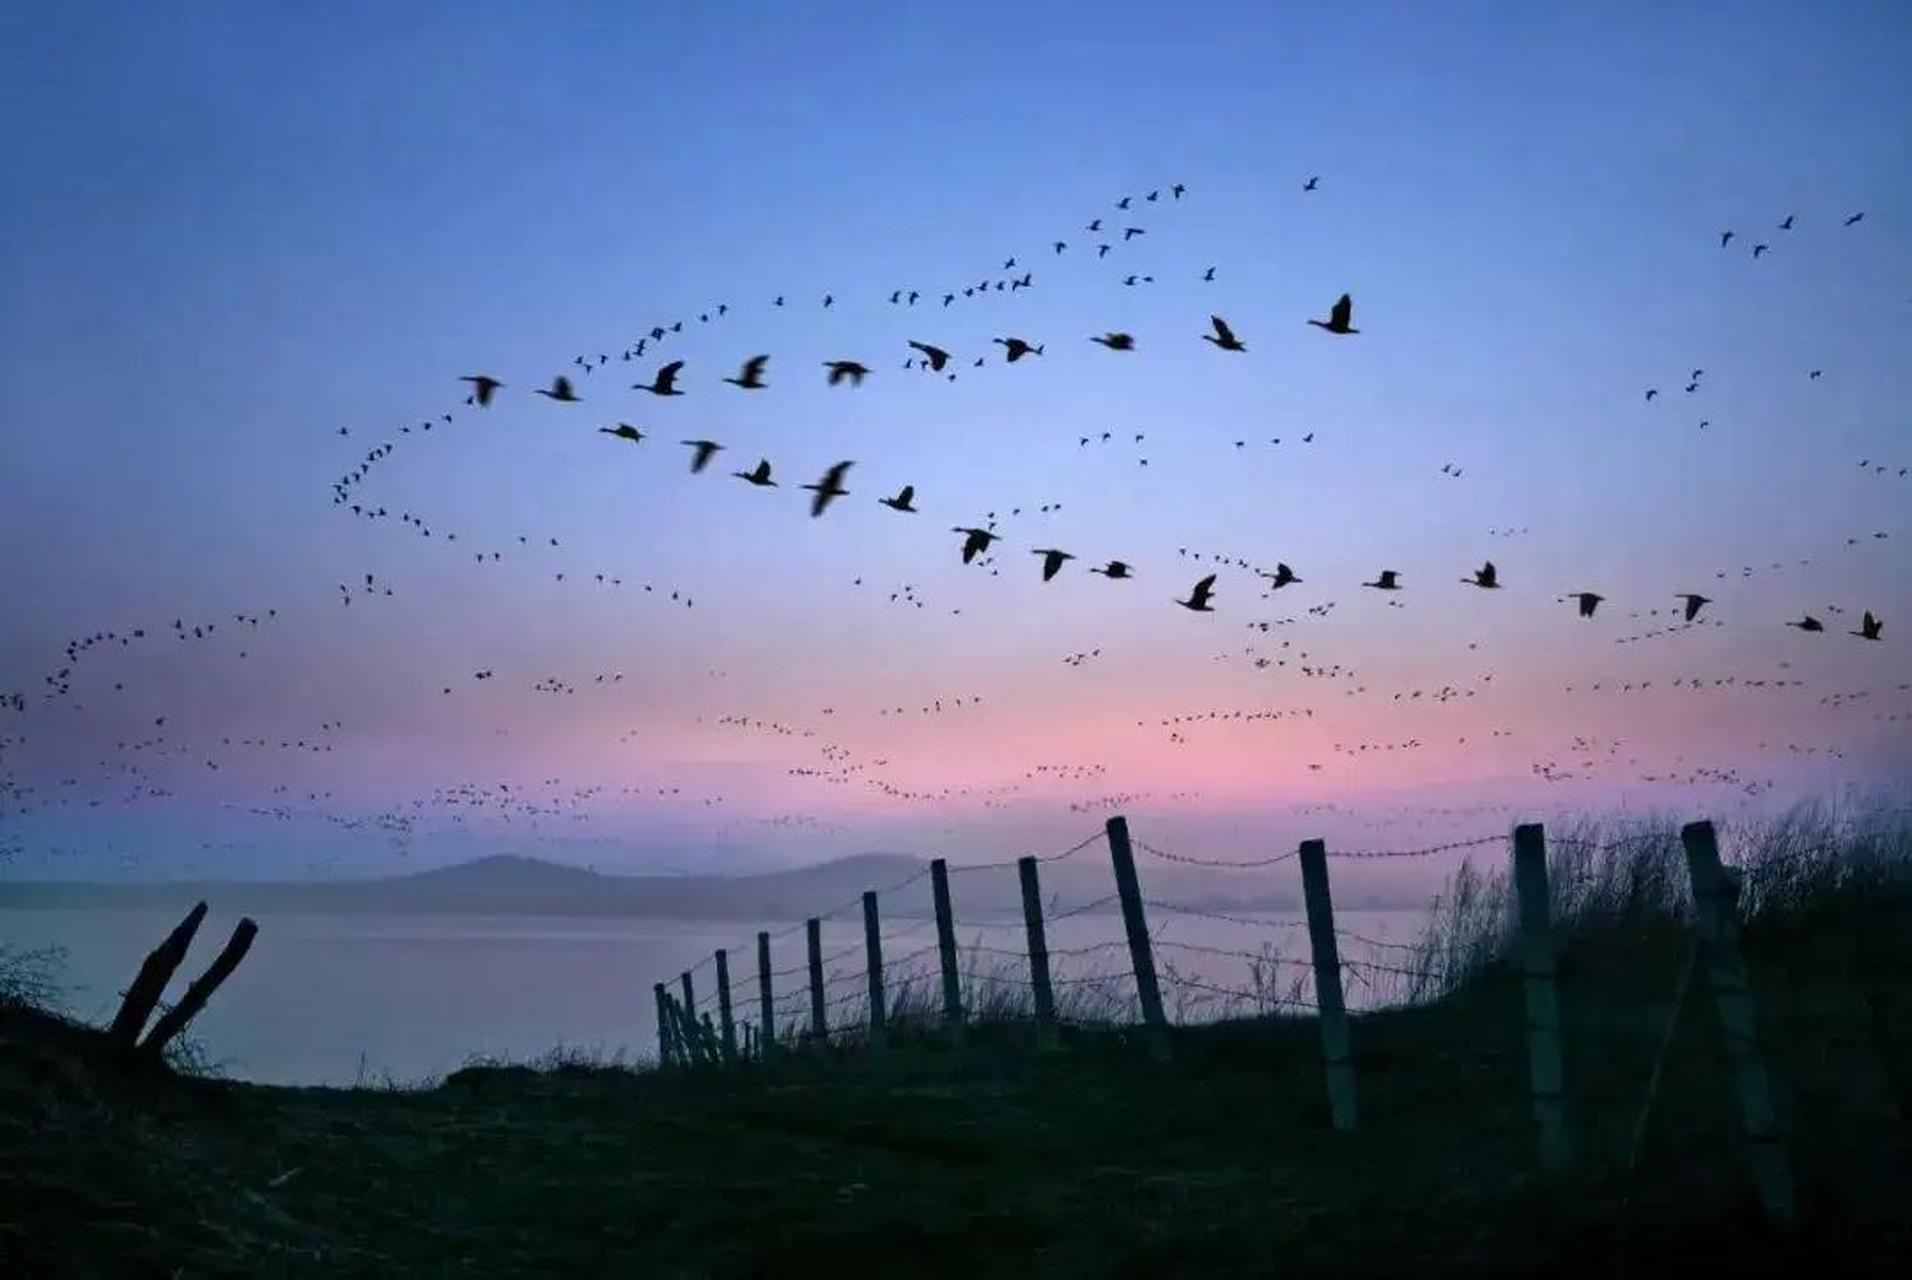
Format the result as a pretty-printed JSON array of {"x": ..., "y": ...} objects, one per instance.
[
  {"x": 750, "y": 377},
  {"x": 623, "y": 431},
  {"x": 1223, "y": 337},
  {"x": 1725, "y": 238},
  {"x": 1588, "y": 602},
  {"x": 902, "y": 500},
  {"x": 1338, "y": 317},
  {"x": 1114, "y": 569},
  {"x": 1197, "y": 601},
  {"x": 1310, "y": 184},
  {"x": 705, "y": 450},
  {"x": 758, "y": 475},
  {"x": 560, "y": 390},
  {"x": 1787, "y": 224},
  {"x": 842, "y": 369},
  {"x": 482, "y": 386},
  {"x": 1017, "y": 348},
  {"x": 936, "y": 356},
  {"x": 829, "y": 488},
  {"x": 1115, "y": 341},
  {"x": 1694, "y": 603},
  {"x": 1870, "y": 628},
  {"x": 1808, "y": 623},
  {"x": 1281, "y": 577},
  {"x": 1759, "y": 249},
  {"x": 1854, "y": 218},
  {"x": 975, "y": 541},
  {"x": 1388, "y": 580},
  {"x": 665, "y": 383},
  {"x": 1485, "y": 576},
  {"x": 1052, "y": 561}
]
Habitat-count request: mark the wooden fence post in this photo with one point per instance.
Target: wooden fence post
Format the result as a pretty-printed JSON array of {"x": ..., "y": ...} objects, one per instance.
[
  {"x": 1046, "y": 1036},
  {"x": 1546, "y": 1071},
  {"x": 1330, "y": 1007},
  {"x": 766, "y": 1015},
  {"x": 724, "y": 1019},
  {"x": 946, "y": 948},
  {"x": 689, "y": 1021},
  {"x": 819, "y": 1027},
  {"x": 1135, "y": 923},
  {"x": 174, "y": 1020},
  {"x": 873, "y": 957},
  {"x": 150, "y": 983},
  {"x": 666, "y": 1054},
  {"x": 681, "y": 1033},
  {"x": 1716, "y": 926}
]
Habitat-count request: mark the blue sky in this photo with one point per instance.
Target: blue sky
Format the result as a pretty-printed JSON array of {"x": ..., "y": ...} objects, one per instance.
[{"x": 233, "y": 230}]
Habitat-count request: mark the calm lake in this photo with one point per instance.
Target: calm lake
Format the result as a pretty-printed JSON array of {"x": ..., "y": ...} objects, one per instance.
[{"x": 346, "y": 998}]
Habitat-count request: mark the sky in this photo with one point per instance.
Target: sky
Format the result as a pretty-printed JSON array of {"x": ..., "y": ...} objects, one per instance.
[{"x": 232, "y": 232}]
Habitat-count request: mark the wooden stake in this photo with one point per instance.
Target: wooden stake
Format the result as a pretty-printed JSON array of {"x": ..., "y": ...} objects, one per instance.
[
  {"x": 174, "y": 1020},
  {"x": 946, "y": 949},
  {"x": 873, "y": 956},
  {"x": 1716, "y": 925},
  {"x": 1047, "y": 1038},
  {"x": 766, "y": 1014},
  {"x": 1546, "y": 1073},
  {"x": 819, "y": 1028},
  {"x": 724, "y": 1019},
  {"x": 1331, "y": 1010},
  {"x": 666, "y": 1047},
  {"x": 150, "y": 983},
  {"x": 1135, "y": 923}
]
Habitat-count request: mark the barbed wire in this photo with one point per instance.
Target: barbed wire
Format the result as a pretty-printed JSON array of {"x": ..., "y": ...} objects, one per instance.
[
  {"x": 1073, "y": 849},
  {"x": 1204, "y": 949},
  {"x": 1362, "y": 938},
  {"x": 1257, "y": 997},
  {"x": 1429, "y": 851},
  {"x": 1181, "y": 909},
  {"x": 1189, "y": 860},
  {"x": 1087, "y": 906}
]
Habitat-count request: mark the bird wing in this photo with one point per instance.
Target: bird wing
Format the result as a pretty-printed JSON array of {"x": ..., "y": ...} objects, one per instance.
[
  {"x": 1343, "y": 312},
  {"x": 1222, "y": 330},
  {"x": 904, "y": 495},
  {"x": 753, "y": 367}
]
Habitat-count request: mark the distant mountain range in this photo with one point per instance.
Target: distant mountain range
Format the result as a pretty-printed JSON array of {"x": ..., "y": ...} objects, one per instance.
[{"x": 508, "y": 884}]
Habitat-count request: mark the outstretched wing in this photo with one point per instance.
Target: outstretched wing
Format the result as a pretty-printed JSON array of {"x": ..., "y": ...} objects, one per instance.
[
  {"x": 667, "y": 376},
  {"x": 753, "y": 367},
  {"x": 1343, "y": 312},
  {"x": 1222, "y": 330}
]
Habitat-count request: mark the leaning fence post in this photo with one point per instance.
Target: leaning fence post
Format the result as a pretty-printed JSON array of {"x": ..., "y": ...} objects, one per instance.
[
  {"x": 150, "y": 983},
  {"x": 1046, "y": 1037},
  {"x": 1135, "y": 924},
  {"x": 690, "y": 1019},
  {"x": 873, "y": 956},
  {"x": 665, "y": 1055},
  {"x": 946, "y": 947},
  {"x": 1716, "y": 925},
  {"x": 1330, "y": 1008},
  {"x": 766, "y": 1017},
  {"x": 1546, "y": 1073},
  {"x": 724, "y": 1020},
  {"x": 813, "y": 929},
  {"x": 174, "y": 1020}
]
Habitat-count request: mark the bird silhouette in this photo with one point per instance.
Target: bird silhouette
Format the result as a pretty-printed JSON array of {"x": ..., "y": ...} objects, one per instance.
[
  {"x": 703, "y": 452},
  {"x": 1114, "y": 569},
  {"x": 1115, "y": 341},
  {"x": 1759, "y": 249},
  {"x": 1869, "y": 628},
  {"x": 1786, "y": 225},
  {"x": 1854, "y": 218},
  {"x": 829, "y": 488},
  {"x": 665, "y": 382},
  {"x": 1338, "y": 317},
  {"x": 1310, "y": 184},
  {"x": 1208, "y": 276},
  {"x": 1808, "y": 623},
  {"x": 1281, "y": 577},
  {"x": 1052, "y": 561},
  {"x": 482, "y": 385},
  {"x": 1017, "y": 348},
  {"x": 902, "y": 500},
  {"x": 750, "y": 377},
  {"x": 1725, "y": 238},
  {"x": 845, "y": 369},
  {"x": 1588, "y": 602},
  {"x": 936, "y": 356},
  {"x": 1223, "y": 337},
  {"x": 975, "y": 541},
  {"x": 1485, "y": 576},
  {"x": 623, "y": 431},
  {"x": 1129, "y": 233},
  {"x": 1197, "y": 601},
  {"x": 1389, "y": 580},
  {"x": 758, "y": 475},
  {"x": 560, "y": 390},
  {"x": 1694, "y": 603},
  {"x": 1652, "y": 392}
]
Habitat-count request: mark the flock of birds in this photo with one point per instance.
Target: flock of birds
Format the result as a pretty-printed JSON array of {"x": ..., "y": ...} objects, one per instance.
[{"x": 981, "y": 543}]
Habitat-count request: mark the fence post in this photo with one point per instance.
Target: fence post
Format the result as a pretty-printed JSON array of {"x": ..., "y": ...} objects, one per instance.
[
  {"x": 766, "y": 1016},
  {"x": 1046, "y": 1036},
  {"x": 154, "y": 974},
  {"x": 873, "y": 955},
  {"x": 819, "y": 1028},
  {"x": 946, "y": 948},
  {"x": 1546, "y": 1072},
  {"x": 689, "y": 1023},
  {"x": 685, "y": 1035},
  {"x": 1135, "y": 924},
  {"x": 1330, "y": 1008},
  {"x": 174, "y": 1020},
  {"x": 666, "y": 1054},
  {"x": 1716, "y": 925},
  {"x": 724, "y": 1019}
]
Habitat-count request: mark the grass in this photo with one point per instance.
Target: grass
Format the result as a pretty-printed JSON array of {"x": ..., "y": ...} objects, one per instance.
[{"x": 930, "y": 1160}]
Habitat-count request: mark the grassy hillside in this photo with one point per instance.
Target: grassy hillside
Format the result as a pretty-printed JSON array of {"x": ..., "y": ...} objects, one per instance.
[{"x": 994, "y": 1160}]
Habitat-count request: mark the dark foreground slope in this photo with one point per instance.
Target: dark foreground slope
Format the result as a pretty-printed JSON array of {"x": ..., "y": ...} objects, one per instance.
[{"x": 995, "y": 1161}]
